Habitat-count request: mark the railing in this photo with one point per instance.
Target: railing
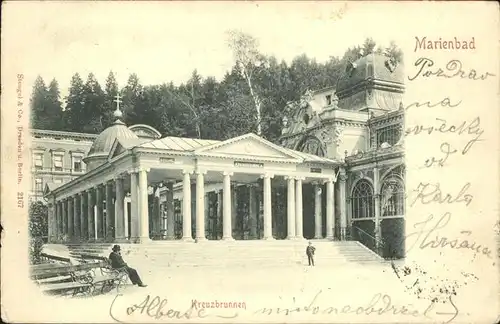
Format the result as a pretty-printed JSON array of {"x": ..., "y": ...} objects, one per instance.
[
  {"x": 379, "y": 244},
  {"x": 341, "y": 233},
  {"x": 35, "y": 169}
]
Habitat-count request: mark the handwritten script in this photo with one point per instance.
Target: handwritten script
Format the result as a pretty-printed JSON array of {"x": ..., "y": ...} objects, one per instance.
[
  {"x": 427, "y": 233},
  {"x": 379, "y": 304},
  {"x": 157, "y": 308},
  {"x": 453, "y": 69}
]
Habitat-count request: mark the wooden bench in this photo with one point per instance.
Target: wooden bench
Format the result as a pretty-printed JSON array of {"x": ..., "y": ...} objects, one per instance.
[
  {"x": 64, "y": 278},
  {"x": 108, "y": 277},
  {"x": 54, "y": 258}
]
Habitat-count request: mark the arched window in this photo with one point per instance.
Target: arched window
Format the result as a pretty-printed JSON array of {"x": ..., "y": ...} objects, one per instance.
[
  {"x": 362, "y": 200},
  {"x": 392, "y": 197},
  {"x": 311, "y": 145},
  {"x": 390, "y": 134}
]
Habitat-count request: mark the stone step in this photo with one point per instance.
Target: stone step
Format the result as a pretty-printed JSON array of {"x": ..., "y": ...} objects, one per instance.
[{"x": 244, "y": 254}]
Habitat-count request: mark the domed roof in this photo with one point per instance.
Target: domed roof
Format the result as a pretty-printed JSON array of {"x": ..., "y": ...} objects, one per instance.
[
  {"x": 371, "y": 67},
  {"x": 103, "y": 143}
]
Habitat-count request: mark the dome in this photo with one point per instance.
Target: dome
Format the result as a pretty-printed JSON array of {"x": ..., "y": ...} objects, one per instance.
[
  {"x": 373, "y": 67},
  {"x": 99, "y": 150}
]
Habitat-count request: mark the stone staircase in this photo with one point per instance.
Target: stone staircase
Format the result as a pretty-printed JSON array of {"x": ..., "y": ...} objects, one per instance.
[{"x": 251, "y": 253}]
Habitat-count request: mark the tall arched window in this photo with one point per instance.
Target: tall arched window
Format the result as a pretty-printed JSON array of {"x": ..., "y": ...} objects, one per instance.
[
  {"x": 311, "y": 145},
  {"x": 392, "y": 197},
  {"x": 362, "y": 200}
]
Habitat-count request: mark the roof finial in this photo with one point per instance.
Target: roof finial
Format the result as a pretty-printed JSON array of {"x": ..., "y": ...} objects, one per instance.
[{"x": 118, "y": 113}]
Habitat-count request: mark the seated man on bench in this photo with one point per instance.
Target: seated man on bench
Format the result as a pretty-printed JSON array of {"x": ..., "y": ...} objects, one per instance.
[{"x": 117, "y": 263}]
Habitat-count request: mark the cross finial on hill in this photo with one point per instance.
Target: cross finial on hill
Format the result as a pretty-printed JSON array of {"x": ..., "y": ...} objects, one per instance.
[
  {"x": 118, "y": 113},
  {"x": 117, "y": 100}
]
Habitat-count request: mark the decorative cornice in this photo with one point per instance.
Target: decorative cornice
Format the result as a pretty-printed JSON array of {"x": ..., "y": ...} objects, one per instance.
[
  {"x": 138, "y": 169},
  {"x": 267, "y": 175},
  {"x": 120, "y": 176},
  {"x": 68, "y": 135},
  {"x": 187, "y": 171},
  {"x": 375, "y": 155},
  {"x": 371, "y": 83},
  {"x": 329, "y": 179},
  {"x": 395, "y": 116},
  {"x": 200, "y": 172}
]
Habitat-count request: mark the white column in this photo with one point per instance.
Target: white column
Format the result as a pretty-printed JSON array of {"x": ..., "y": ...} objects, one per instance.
[
  {"x": 200, "y": 205},
  {"x": 268, "y": 223},
  {"x": 76, "y": 218},
  {"x": 110, "y": 213},
  {"x": 290, "y": 199},
  {"x": 83, "y": 217},
  {"x": 299, "y": 214},
  {"x": 126, "y": 215},
  {"x": 119, "y": 211},
  {"x": 234, "y": 209},
  {"x": 64, "y": 213},
  {"x": 330, "y": 201},
  {"x": 186, "y": 206},
  {"x": 253, "y": 211},
  {"x": 219, "y": 211},
  {"x": 318, "y": 226},
  {"x": 58, "y": 221},
  {"x": 143, "y": 206},
  {"x": 52, "y": 220},
  {"x": 226, "y": 221},
  {"x": 170, "y": 211},
  {"x": 90, "y": 215},
  {"x": 343, "y": 214},
  {"x": 71, "y": 220},
  {"x": 134, "y": 206}
]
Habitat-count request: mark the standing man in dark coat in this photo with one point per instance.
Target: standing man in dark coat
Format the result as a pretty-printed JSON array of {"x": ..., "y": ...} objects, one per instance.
[
  {"x": 117, "y": 263},
  {"x": 310, "y": 253}
]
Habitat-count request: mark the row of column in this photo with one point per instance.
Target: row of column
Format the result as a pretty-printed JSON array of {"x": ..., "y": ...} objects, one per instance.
[
  {"x": 294, "y": 208},
  {"x": 81, "y": 217}
]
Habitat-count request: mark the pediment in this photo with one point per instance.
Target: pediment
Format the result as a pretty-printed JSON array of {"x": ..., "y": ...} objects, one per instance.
[
  {"x": 121, "y": 145},
  {"x": 248, "y": 145},
  {"x": 49, "y": 187},
  {"x": 117, "y": 149}
]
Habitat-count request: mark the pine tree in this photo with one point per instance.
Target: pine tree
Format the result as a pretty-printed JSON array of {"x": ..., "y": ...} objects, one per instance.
[
  {"x": 109, "y": 105},
  {"x": 369, "y": 46},
  {"x": 54, "y": 106},
  {"x": 394, "y": 52},
  {"x": 73, "y": 115},
  {"x": 132, "y": 96},
  {"x": 171, "y": 114},
  {"x": 93, "y": 105},
  {"x": 39, "y": 104}
]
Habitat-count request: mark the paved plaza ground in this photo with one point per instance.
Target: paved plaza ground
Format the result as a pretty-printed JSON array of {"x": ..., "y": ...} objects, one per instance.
[{"x": 352, "y": 293}]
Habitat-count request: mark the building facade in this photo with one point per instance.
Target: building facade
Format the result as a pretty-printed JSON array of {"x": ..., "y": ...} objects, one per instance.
[
  {"x": 57, "y": 158},
  {"x": 117, "y": 199},
  {"x": 360, "y": 122},
  {"x": 339, "y": 174}
]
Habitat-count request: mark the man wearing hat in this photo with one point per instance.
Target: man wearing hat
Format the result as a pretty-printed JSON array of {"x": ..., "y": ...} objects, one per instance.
[
  {"x": 117, "y": 263},
  {"x": 310, "y": 253}
]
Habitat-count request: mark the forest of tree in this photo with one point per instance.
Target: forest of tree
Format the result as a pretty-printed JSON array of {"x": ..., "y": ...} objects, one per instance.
[{"x": 250, "y": 98}]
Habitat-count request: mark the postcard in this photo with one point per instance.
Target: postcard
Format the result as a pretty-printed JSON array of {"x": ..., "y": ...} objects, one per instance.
[{"x": 250, "y": 162}]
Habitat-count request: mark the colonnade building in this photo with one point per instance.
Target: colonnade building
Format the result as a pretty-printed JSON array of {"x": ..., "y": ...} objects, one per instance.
[{"x": 338, "y": 174}]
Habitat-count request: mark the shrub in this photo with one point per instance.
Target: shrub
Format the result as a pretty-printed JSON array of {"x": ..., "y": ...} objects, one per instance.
[{"x": 38, "y": 230}]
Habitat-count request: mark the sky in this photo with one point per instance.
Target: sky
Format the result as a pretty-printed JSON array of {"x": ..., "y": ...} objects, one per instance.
[{"x": 164, "y": 42}]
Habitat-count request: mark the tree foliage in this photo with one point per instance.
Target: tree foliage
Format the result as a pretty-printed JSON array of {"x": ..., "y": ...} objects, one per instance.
[
  {"x": 251, "y": 97},
  {"x": 38, "y": 230},
  {"x": 46, "y": 106}
]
